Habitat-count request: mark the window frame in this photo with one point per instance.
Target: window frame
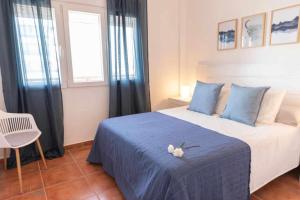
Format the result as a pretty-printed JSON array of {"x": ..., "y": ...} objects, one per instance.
[
  {"x": 57, "y": 7},
  {"x": 66, "y": 54}
]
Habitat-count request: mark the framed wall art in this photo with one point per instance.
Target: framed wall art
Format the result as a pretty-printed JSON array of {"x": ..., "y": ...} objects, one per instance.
[
  {"x": 285, "y": 25},
  {"x": 227, "y": 35},
  {"x": 253, "y": 31}
]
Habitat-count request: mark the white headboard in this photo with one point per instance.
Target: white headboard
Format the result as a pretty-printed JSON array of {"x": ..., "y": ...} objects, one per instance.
[{"x": 274, "y": 75}]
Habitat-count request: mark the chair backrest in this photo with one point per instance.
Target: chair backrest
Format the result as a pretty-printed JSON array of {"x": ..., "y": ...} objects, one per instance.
[
  {"x": 3, "y": 141},
  {"x": 12, "y": 123}
]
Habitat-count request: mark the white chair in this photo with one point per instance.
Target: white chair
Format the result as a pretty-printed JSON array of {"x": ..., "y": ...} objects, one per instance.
[{"x": 16, "y": 131}]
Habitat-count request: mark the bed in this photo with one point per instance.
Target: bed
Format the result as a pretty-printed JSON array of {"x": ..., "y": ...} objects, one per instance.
[{"x": 233, "y": 159}]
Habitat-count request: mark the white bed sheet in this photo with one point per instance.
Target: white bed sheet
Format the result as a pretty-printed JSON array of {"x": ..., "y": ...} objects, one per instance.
[{"x": 275, "y": 148}]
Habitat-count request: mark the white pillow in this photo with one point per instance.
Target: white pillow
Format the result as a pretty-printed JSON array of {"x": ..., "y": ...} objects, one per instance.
[
  {"x": 222, "y": 101},
  {"x": 289, "y": 115},
  {"x": 270, "y": 106}
]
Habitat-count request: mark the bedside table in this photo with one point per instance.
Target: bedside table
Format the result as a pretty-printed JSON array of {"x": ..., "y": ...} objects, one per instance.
[{"x": 178, "y": 101}]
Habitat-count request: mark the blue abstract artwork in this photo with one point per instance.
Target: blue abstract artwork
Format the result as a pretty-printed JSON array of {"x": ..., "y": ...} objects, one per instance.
[
  {"x": 227, "y": 35},
  {"x": 285, "y": 25}
]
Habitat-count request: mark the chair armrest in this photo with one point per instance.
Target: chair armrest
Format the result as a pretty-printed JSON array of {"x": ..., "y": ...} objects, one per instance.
[{"x": 3, "y": 142}]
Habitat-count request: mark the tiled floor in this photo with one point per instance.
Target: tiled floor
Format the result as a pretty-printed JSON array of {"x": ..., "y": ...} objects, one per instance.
[{"x": 72, "y": 178}]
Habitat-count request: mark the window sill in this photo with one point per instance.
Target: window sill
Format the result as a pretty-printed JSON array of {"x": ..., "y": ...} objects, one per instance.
[{"x": 84, "y": 85}]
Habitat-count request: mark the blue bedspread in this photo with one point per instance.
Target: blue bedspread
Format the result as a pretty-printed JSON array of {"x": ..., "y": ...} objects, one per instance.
[{"x": 133, "y": 149}]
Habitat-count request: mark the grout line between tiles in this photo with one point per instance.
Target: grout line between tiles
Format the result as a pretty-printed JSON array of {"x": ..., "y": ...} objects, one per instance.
[
  {"x": 75, "y": 161},
  {"x": 84, "y": 175},
  {"x": 43, "y": 183},
  {"x": 31, "y": 191},
  {"x": 257, "y": 197},
  {"x": 63, "y": 182},
  {"x": 25, "y": 193}
]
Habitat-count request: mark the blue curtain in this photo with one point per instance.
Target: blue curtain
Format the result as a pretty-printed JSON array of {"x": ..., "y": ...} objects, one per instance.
[
  {"x": 128, "y": 57},
  {"x": 30, "y": 71}
]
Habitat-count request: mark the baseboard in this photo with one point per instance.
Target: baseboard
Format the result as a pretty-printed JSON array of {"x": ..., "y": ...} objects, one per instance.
[
  {"x": 71, "y": 146},
  {"x": 78, "y": 145}
]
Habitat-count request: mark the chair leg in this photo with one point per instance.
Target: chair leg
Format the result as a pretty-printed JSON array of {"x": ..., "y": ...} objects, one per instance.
[
  {"x": 5, "y": 158},
  {"x": 19, "y": 169},
  {"x": 41, "y": 152}
]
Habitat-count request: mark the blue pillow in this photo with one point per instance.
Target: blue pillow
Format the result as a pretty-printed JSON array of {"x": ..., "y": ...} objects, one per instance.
[
  {"x": 244, "y": 104},
  {"x": 205, "y": 97}
]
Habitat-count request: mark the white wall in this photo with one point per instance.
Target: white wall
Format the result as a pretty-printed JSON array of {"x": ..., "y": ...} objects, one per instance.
[
  {"x": 182, "y": 48},
  {"x": 85, "y": 107},
  {"x": 163, "y": 26},
  {"x": 201, "y": 25},
  {"x": 277, "y": 66}
]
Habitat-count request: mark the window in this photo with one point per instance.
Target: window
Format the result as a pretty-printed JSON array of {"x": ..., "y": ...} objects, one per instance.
[
  {"x": 85, "y": 40},
  {"x": 33, "y": 72},
  {"x": 86, "y": 46},
  {"x": 116, "y": 42},
  {"x": 76, "y": 50}
]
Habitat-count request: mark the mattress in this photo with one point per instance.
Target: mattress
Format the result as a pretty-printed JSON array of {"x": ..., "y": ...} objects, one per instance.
[{"x": 275, "y": 148}]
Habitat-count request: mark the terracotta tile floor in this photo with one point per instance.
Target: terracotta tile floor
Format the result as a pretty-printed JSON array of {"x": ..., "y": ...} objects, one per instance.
[{"x": 72, "y": 178}]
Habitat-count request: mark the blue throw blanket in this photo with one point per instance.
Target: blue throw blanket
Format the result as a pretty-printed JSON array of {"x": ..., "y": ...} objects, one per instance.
[{"x": 133, "y": 149}]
